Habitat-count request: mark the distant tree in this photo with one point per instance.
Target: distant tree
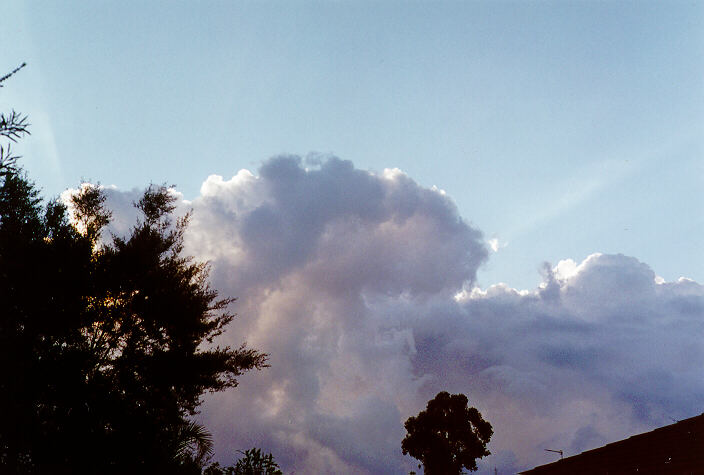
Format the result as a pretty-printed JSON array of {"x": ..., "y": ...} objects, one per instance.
[
  {"x": 105, "y": 345},
  {"x": 252, "y": 462},
  {"x": 448, "y": 436}
]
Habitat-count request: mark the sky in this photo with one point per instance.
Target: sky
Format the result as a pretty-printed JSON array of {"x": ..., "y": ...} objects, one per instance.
[{"x": 496, "y": 198}]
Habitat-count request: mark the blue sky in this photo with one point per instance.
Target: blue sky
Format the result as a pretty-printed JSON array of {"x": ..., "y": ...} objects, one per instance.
[{"x": 559, "y": 129}]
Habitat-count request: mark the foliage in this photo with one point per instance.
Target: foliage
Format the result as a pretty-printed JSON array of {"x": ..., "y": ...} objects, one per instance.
[
  {"x": 12, "y": 126},
  {"x": 193, "y": 443},
  {"x": 253, "y": 462},
  {"x": 448, "y": 436},
  {"x": 106, "y": 346}
]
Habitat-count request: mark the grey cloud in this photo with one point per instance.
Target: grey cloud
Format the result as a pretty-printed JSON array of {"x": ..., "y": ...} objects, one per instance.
[
  {"x": 369, "y": 438},
  {"x": 609, "y": 336},
  {"x": 585, "y": 438},
  {"x": 348, "y": 279}
]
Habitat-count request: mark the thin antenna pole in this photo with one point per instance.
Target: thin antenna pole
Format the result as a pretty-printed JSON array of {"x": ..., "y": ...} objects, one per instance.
[{"x": 556, "y": 451}]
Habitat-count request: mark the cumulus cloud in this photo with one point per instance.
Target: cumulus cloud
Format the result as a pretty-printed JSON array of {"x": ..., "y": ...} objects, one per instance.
[
  {"x": 361, "y": 288},
  {"x": 599, "y": 351}
]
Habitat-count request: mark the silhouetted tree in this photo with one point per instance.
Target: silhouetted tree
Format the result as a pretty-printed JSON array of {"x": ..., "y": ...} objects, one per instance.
[
  {"x": 252, "y": 462},
  {"x": 448, "y": 436},
  {"x": 105, "y": 346}
]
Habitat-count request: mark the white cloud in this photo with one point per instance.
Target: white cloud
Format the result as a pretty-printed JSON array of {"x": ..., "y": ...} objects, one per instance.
[
  {"x": 495, "y": 244},
  {"x": 360, "y": 287}
]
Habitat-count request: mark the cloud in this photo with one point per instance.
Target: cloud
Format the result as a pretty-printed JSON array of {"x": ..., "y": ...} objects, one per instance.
[
  {"x": 361, "y": 288},
  {"x": 599, "y": 351},
  {"x": 495, "y": 244}
]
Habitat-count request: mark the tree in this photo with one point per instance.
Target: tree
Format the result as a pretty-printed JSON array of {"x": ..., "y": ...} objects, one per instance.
[
  {"x": 253, "y": 462},
  {"x": 448, "y": 436},
  {"x": 106, "y": 344}
]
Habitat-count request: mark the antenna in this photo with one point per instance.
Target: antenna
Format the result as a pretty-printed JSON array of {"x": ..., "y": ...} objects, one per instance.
[{"x": 556, "y": 451}]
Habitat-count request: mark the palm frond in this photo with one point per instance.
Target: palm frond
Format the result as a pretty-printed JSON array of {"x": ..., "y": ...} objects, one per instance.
[{"x": 194, "y": 440}]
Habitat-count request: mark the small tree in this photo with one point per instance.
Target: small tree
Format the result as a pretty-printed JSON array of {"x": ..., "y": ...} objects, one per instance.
[
  {"x": 255, "y": 463},
  {"x": 448, "y": 436},
  {"x": 252, "y": 462}
]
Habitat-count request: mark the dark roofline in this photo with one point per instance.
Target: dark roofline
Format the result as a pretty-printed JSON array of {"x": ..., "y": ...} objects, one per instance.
[{"x": 621, "y": 444}]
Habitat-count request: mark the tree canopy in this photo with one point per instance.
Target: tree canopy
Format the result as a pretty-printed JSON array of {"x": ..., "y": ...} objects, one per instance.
[
  {"x": 106, "y": 344},
  {"x": 252, "y": 462},
  {"x": 448, "y": 436}
]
